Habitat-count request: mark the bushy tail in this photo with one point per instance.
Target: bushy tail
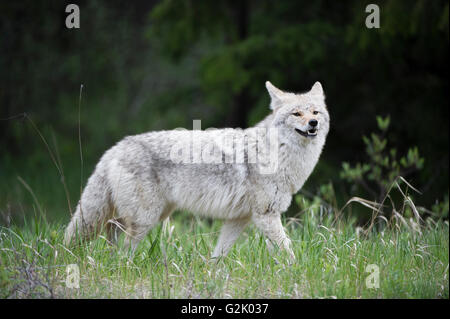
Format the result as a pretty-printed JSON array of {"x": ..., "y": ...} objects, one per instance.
[{"x": 91, "y": 212}]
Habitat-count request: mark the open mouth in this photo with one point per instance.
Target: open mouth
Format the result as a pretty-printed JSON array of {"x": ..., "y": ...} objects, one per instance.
[{"x": 309, "y": 133}]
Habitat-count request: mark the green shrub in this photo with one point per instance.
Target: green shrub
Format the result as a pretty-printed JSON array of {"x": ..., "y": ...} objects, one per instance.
[{"x": 383, "y": 165}]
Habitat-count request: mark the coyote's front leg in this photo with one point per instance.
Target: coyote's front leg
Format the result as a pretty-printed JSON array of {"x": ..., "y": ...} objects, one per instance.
[
  {"x": 271, "y": 227},
  {"x": 230, "y": 231}
]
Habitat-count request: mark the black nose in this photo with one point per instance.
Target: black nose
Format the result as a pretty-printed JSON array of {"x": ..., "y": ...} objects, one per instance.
[{"x": 313, "y": 123}]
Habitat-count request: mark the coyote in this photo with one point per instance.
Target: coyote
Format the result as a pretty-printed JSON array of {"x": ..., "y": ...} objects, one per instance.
[{"x": 138, "y": 183}]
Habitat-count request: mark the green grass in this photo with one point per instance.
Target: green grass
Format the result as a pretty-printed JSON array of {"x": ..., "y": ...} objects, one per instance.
[{"x": 173, "y": 262}]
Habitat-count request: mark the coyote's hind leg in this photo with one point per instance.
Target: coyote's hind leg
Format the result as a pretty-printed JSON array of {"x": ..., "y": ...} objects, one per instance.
[{"x": 138, "y": 226}]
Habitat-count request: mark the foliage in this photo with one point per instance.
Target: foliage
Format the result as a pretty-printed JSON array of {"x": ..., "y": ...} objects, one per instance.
[
  {"x": 383, "y": 165},
  {"x": 440, "y": 208},
  {"x": 158, "y": 65},
  {"x": 325, "y": 197}
]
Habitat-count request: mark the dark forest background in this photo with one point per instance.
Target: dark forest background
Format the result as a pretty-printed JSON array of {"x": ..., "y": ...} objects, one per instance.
[{"x": 151, "y": 65}]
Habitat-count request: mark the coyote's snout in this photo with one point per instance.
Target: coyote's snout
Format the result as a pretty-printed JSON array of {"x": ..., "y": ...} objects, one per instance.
[{"x": 137, "y": 183}]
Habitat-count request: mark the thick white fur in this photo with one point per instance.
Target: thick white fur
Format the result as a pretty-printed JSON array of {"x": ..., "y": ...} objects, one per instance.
[{"x": 136, "y": 184}]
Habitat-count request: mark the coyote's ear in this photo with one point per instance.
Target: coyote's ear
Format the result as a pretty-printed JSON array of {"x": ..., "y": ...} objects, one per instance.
[
  {"x": 317, "y": 90},
  {"x": 275, "y": 95}
]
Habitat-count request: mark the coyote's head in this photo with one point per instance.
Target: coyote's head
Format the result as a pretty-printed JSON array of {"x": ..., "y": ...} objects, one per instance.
[{"x": 301, "y": 118}]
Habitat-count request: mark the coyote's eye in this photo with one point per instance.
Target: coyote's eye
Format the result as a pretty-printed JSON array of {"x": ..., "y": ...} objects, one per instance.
[
  {"x": 297, "y": 114},
  {"x": 316, "y": 112}
]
